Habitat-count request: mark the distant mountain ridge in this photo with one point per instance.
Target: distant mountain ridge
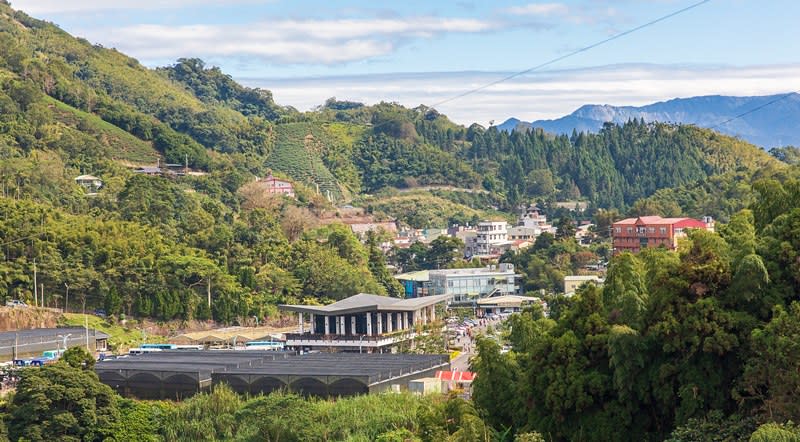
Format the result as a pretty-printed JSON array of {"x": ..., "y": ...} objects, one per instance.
[{"x": 774, "y": 125}]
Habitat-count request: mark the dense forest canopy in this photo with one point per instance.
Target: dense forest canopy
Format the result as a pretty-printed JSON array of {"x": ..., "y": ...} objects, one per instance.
[{"x": 686, "y": 345}]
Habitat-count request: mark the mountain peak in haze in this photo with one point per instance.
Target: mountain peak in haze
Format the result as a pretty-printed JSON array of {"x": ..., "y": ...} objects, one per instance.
[{"x": 773, "y": 125}]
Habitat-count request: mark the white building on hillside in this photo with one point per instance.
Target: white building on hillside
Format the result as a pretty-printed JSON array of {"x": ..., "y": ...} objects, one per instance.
[
  {"x": 91, "y": 183},
  {"x": 532, "y": 222},
  {"x": 490, "y": 236}
]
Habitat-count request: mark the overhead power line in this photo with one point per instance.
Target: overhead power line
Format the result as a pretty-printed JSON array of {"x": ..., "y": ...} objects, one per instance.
[
  {"x": 573, "y": 53},
  {"x": 755, "y": 109},
  {"x": 20, "y": 239}
]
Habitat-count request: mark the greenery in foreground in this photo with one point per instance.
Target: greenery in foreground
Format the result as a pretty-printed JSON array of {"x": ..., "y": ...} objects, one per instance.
[
  {"x": 700, "y": 344},
  {"x": 67, "y": 402}
]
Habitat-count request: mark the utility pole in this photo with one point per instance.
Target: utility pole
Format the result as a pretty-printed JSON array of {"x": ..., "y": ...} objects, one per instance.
[
  {"x": 35, "y": 295},
  {"x": 66, "y": 300},
  {"x": 41, "y": 293},
  {"x": 86, "y": 326},
  {"x": 208, "y": 292}
]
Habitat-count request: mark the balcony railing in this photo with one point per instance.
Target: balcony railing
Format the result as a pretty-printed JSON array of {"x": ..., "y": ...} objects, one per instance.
[{"x": 308, "y": 339}]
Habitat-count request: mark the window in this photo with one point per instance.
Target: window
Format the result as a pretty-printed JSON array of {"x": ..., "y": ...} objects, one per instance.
[
  {"x": 630, "y": 229},
  {"x": 651, "y": 229},
  {"x": 663, "y": 230},
  {"x": 618, "y": 229}
]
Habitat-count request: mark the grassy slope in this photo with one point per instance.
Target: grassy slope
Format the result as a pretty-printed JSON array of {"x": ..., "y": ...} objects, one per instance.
[
  {"x": 124, "y": 146},
  {"x": 121, "y": 337}
]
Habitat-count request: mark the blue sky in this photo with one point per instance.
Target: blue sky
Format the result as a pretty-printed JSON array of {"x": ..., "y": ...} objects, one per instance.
[{"x": 416, "y": 52}]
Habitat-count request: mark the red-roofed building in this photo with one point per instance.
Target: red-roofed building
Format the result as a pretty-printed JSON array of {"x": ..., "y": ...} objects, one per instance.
[
  {"x": 277, "y": 186},
  {"x": 634, "y": 234},
  {"x": 455, "y": 376},
  {"x": 457, "y": 380}
]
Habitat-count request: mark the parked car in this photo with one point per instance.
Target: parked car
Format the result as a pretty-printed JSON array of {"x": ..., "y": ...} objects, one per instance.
[
  {"x": 100, "y": 312},
  {"x": 16, "y": 303}
]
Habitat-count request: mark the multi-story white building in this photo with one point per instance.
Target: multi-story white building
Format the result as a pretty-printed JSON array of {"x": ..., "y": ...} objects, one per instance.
[
  {"x": 532, "y": 218},
  {"x": 533, "y": 222},
  {"x": 488, "y": 239},
  {"x": 468, "y": 285}
]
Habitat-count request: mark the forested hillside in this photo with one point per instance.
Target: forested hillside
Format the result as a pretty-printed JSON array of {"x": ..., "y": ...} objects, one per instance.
[
  {"x": 694, "y": 345},
  {"x": 611, "y": 169},
  {"x": 68, "y": 107}
]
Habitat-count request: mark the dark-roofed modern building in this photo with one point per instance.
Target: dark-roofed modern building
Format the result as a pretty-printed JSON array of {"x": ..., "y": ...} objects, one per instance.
[
  {"x": 363, "y": 322},
  {"x": 180, "y": 374}
]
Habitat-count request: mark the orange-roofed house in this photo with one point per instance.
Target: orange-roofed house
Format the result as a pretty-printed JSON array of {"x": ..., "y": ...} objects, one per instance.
[{"x": 634, "y": 234}]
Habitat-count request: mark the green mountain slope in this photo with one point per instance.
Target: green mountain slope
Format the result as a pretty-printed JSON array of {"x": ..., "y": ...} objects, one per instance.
[
  {"x": 68, "y": 107},
  {"x": 122, "y": 145},
  {"x": 297, "y": 153}
]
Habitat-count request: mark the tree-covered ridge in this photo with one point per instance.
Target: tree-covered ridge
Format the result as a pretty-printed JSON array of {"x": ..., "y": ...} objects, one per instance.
[
  {"x": 671, "y": 342},
  {"x": 190, "y": 112},
  {"x": 212, "y": 86},
  {"x": 117, "y": 88},
  {"x": 611, "y": 169},
  {"x": 423, "y": 210}
]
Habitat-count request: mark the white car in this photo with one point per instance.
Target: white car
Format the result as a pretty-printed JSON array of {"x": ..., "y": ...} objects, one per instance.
[{"x": 15, "y": 303}]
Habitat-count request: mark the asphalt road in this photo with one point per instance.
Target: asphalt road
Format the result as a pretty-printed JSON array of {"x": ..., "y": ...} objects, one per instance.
[{"x": 461, "y": 363}]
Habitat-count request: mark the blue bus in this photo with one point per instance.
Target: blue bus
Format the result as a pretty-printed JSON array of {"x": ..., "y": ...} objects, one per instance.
[{"x": 160, "y": 346}]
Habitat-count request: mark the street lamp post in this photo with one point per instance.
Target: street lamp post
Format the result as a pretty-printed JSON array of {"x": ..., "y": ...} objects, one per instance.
[
  {"x": 66, "y": 300},
  {"x": 65, "y": 337}
]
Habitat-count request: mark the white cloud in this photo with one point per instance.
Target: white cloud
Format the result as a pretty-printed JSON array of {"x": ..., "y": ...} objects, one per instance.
[
  {"x": 73, "y": 6},
  {"x": 539, "y": 9},
  {"x": 283, "y": 41},
  {"x": 543, "y": 95}
]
